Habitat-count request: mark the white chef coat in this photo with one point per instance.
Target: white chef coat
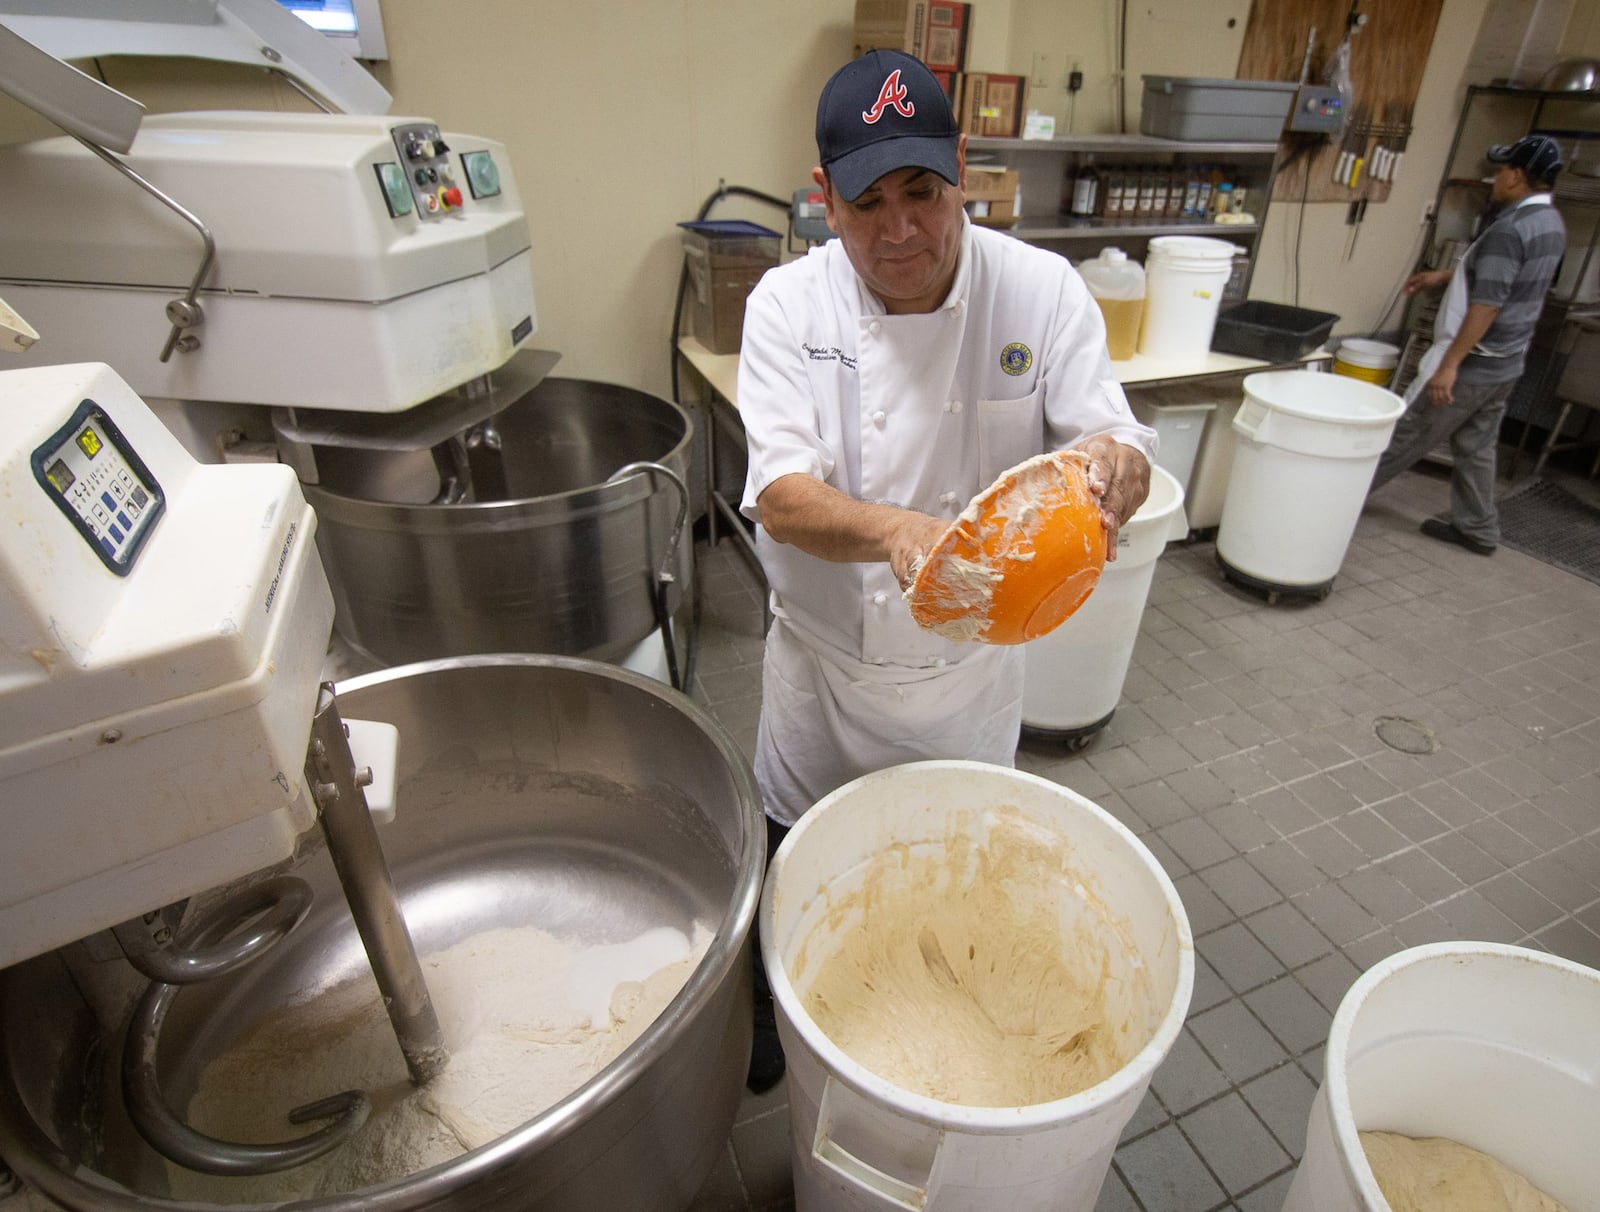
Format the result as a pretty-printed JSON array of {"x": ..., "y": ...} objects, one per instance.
[{"x": 922, "y": 411}]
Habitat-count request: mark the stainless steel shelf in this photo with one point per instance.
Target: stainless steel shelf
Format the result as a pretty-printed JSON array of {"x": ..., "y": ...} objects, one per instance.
[
  {"x": 1069, "y": 227},
  {"x": 1119, "y": 144}
]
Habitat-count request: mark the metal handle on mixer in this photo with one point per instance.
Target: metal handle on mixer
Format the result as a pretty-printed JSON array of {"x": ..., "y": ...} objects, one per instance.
[
  {"x": 141, "y": 1087},
  {"x": 645, "y": 467},
  {"x": 185, "y": 313}
]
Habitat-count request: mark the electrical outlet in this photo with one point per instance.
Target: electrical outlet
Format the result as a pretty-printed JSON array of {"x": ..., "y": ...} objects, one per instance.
[{"x": 1040, "y": 76}]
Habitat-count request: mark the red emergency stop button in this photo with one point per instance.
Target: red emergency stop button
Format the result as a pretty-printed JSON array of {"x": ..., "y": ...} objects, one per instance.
[{"x": 450, "y": 195}]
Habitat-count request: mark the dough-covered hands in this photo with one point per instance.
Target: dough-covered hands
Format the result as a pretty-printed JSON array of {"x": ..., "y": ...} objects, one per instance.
[
  {"x": 1120, "y": 476},
  {"x": 910, "y": 541}
]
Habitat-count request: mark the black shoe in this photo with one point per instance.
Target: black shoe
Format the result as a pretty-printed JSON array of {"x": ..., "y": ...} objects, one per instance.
[
  {"x": 767, "y": 1065},
  {"x": 1436, "y": 528}
]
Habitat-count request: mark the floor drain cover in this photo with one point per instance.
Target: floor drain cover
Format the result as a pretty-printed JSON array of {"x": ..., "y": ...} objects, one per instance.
[{"x": 1407, "y": 736}]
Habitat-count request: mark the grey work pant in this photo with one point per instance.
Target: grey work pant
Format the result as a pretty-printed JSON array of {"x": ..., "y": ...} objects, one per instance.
[{"x": 1472, "y": 423}]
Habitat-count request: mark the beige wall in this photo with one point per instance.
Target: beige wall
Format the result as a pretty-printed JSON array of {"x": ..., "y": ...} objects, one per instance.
[{"x": 621, "y": 118}]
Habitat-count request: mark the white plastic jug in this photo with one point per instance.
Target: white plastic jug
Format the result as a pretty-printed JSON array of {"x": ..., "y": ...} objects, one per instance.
[{"x": 1117, "y": 285}]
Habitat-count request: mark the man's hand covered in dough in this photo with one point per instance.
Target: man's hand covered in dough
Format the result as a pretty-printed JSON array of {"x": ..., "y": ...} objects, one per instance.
[
  {"x": 910, "y": 541},
  {"x": 1120, "y": 476}
]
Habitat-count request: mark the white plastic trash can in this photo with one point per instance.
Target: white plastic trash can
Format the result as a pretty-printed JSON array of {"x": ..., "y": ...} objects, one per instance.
[
  {"x": 1307, "y": 446},
  {"x": 1074, "y": 675},
  {"x": 861, "y": 1143},
  {"x": 1184, "y": 280},
  {"x": 1179, "y": 427},
  {"x": 1491, "y": 1046}
]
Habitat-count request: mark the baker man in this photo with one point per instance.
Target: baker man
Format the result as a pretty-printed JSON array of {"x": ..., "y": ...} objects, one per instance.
[
  {"x": 1485, "y": 324},
  {"x": 885, "y": 379}
]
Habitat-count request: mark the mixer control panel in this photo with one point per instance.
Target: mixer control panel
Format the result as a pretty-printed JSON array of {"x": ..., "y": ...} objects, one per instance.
[
  {"x": 101, "y": 485},
  {"x": 425, "y": 179}
]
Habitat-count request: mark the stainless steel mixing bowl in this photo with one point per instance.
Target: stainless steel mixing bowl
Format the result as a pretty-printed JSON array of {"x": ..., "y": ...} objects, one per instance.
[
  {"x": 560, "y": 559},
  {"x": 545, "y": 791}
]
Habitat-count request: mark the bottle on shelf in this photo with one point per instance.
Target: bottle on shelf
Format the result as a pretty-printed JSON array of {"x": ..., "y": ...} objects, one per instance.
[
  {"x": 1117, "y": 285},
  {"x": 1175, "y": 186},
  {"x": 1112, "y": 184},
  {"x": 1085, "y": 189},
  {"x": 1158, "y": 205},
  {"x": 1222, "y": 199},
  {"x": 1191, "y": 192},
  {"x": 1202, "y": 206},
  {"x": 1147, "y": 192}
]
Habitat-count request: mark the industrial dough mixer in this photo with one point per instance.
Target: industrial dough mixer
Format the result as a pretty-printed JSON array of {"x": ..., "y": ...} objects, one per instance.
[
  {"x": 166, "y": 755},
  {"x": 187, "y": 847}
]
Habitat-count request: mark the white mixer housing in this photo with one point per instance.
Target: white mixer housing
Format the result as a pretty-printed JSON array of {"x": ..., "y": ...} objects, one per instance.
[
  {"x": 363, "y": 263},
  {"x": 163, "y": 625}
]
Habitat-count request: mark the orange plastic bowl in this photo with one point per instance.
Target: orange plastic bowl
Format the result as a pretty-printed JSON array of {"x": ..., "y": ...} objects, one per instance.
[{"x": 1019, "y": 560}]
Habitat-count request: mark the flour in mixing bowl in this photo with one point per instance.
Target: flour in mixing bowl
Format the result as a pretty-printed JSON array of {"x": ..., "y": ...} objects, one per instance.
[{"x": 528, "y": 1018}]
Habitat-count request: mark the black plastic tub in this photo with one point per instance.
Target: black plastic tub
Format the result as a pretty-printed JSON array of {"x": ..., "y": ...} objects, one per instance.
[{"x": 1273, "y": 332}]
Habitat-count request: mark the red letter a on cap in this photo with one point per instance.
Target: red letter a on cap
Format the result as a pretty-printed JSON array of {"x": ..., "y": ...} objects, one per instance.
[{"x": 892, "y": 93}]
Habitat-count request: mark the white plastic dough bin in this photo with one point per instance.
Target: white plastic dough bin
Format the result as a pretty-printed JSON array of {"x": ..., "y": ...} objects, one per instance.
[
  {"x": 1308, "y": 444},
  {"x": 1074, "y": 675},
  {"x": 1494, "y": 1047},
  {"x": 1179, "y": 426},
  {"x": 860, "y": 1143}
]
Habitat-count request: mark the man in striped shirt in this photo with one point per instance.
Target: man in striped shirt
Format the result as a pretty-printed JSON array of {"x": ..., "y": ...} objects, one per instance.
[{"x": 1499, "y": 290}]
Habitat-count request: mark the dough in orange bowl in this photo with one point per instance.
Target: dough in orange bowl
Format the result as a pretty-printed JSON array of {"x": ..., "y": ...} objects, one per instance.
[{"x": 1019, "y": 560}]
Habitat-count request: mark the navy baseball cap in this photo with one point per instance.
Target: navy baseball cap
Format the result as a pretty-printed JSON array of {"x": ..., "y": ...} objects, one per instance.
[
  {"x": 882, "y": 112},
  {"x": 1537, "y": 155}
]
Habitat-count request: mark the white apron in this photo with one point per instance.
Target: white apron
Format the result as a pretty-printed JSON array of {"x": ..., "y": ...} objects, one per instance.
[{"x": 842, "y": 718}]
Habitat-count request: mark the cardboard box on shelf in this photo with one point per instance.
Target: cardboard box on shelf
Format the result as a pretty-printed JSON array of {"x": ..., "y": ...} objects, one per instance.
[
  {"x": 724, "y": 258},
  {"x": 935, "y": 31},
  {"x": 993, "y": 195},
  {"x": 991, "y": 104}
]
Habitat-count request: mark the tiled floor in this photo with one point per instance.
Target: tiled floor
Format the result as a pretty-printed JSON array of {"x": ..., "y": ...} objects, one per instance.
[{"x": 1244, "y": 754}]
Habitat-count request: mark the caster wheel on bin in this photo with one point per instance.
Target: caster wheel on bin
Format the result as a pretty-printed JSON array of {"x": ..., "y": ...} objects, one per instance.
[{"x": 1072, "y": 740}]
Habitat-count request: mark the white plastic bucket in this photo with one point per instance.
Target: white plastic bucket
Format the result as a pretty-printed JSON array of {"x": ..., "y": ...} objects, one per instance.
[
  {"x": 1184, "y": 279},
  {"x": 1369, "y": 361},
  {"x": 1494, "y": 1047},
  {"x": 861, "y": 1143},
  {"x": 1307, "y": 446},
  {"x": 1179, "y": 428},
  {"x": 1074, "y": 675}
]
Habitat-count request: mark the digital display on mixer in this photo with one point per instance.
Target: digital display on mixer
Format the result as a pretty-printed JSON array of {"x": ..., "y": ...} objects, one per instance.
[{"x": 102, "y": 486}]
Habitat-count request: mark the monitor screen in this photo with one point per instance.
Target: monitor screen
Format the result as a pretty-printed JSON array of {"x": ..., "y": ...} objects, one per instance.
[{"x": 354, "y": 25}]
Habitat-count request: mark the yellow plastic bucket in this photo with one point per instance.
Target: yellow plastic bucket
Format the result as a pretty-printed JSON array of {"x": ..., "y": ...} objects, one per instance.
[{"x": 1369, "y": 361}]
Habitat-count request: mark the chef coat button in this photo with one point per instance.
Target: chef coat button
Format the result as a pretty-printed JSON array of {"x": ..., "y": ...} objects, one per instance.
[
  {"x": 939, "y": 662},
  {"x": 955, "y": 405},
  {"x": 961, "y": 306},
  {"x": 880, "y": 599},
  {"x": 947, "y": 405},
  {"x": 947, "y": 498},
  {"x": 875, "y": 328},
  {"x": 879, "y": 417}
]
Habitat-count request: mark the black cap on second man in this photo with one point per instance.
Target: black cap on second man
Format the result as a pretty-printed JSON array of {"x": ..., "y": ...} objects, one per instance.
[
  {"x": 1537, "y": 155},
  {"x": 882, "y": 112}
]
